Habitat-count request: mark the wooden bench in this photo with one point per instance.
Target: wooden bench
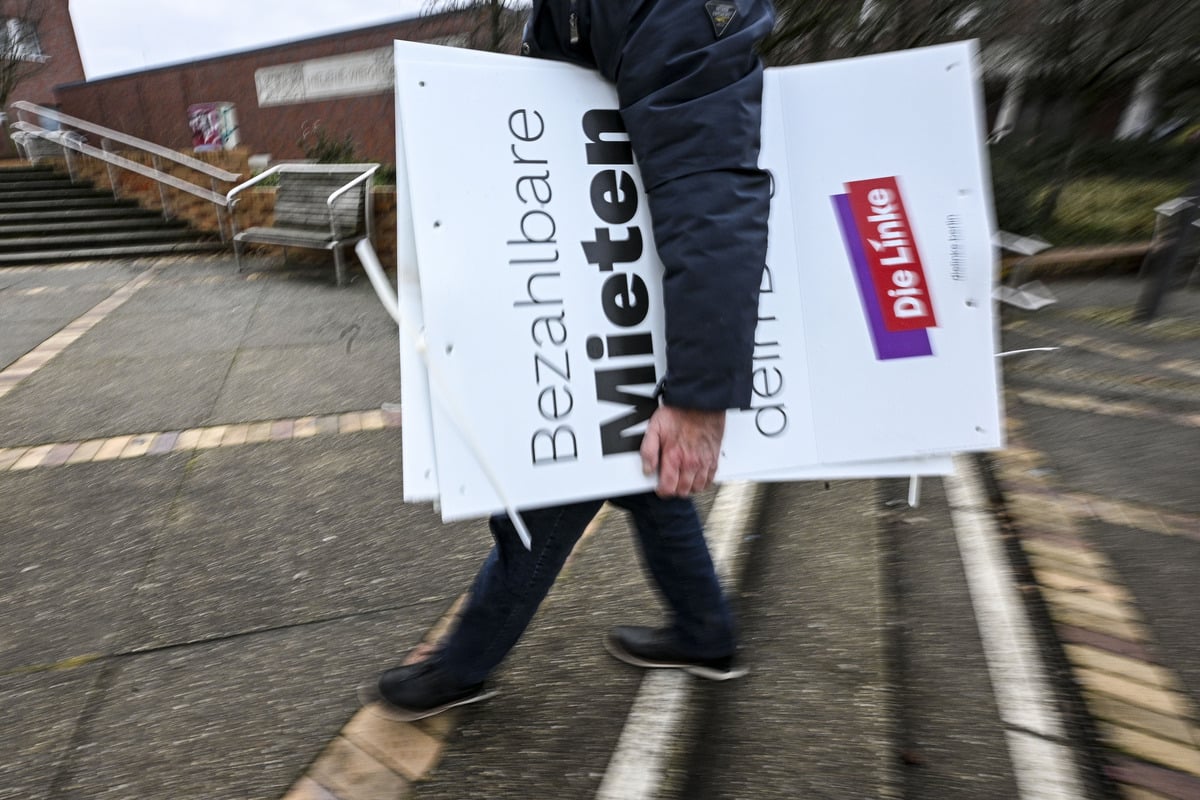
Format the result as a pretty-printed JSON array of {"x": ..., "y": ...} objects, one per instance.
[{"x": 317, "y": 206}]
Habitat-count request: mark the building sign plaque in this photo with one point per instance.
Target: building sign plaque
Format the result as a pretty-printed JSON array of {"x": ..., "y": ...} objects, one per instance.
[{"x": 363, "y": 73}]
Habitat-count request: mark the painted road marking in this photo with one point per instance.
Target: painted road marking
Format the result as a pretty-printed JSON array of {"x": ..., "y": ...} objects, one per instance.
[
  {"x": 1042, "y": 760},
  {"x": 639, "y": 762}
]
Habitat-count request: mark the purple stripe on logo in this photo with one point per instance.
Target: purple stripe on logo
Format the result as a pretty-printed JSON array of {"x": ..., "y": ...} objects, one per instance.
[{"x": 888, "y": 344}]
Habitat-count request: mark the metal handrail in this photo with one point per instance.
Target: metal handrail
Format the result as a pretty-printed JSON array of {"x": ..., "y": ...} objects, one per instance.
[
  {"x": 75, "y": 142},
  {"x": 126, "y": 139},
  {"x": 123, "y": 163}
]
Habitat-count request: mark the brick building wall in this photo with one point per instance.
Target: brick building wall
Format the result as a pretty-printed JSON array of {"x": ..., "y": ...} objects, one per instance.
[
  {"x": 61, "y": 64},
  {"x": 152, "y": 104}
]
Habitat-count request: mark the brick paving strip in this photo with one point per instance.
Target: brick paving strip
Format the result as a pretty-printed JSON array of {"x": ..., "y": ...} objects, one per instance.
[
  {"x": 1091, "y": 404},
  {"x": 1125, "y": 514},
  {"x": 137, "y": 445},
  {"x": 1118, "y": 350},
  {"x": 1145, "y": 719},
  {"x": 41, "y": 291},
  {"x": 72, "y": 267},
  {"x": 41, "y": 355}
]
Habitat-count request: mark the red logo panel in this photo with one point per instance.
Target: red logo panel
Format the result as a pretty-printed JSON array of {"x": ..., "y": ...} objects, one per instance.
[{"x": 891, "y": 253}]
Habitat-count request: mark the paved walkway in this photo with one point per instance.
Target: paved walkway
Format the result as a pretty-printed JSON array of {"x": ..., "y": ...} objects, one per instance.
[
  {"x": 198, "y": 479},
  {"x": 205, "y": 550}
]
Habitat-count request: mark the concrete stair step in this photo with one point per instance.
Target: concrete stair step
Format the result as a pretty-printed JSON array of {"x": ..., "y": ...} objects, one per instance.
[
  {"x": 20, "y": 173},
  {"x": 39, "y": 182},
  {"x": 44, "y": 217},
  {"x": 68, "y": 192},
  {"x": 92, "y": 239},
  {"x": 71, "y": 214},
  {"x": 154, "y": 222},
  {"x": 86, "y": 253},
  {"x": 102, "y": 201}
]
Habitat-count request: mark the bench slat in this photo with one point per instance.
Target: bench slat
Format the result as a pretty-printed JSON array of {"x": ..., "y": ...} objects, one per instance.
[
  {"x": 304, "y": 217},
  {"x": 300, "y": 201},
  {"x": 296, "y": 237}
]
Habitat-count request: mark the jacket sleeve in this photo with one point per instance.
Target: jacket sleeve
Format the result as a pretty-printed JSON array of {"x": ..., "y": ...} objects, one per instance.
[{"x": 691, "y": 99}]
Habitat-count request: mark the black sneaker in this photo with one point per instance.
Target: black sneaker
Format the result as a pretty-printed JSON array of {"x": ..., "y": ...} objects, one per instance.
[
  {"x": 657, "y": 648},
  {"x": 416, "y": 691}
]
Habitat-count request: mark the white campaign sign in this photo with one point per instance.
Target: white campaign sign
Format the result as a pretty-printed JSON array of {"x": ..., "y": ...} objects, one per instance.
[{"x": 542, "y": 332}]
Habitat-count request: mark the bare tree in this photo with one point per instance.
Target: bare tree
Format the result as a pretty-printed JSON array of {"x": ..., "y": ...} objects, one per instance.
[
  {"x": 496, "y": 24},
  {"x": 1082, "y": 53},
  {"x": 815, "y": 30},
  {"x": 904, "y": 24},
  {"x": 810, "y": 31},
  {"x": 20, "y": 48}
]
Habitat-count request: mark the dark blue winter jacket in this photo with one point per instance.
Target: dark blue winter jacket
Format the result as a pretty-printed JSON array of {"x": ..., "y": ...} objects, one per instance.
[{"x": 690, "y": 86}]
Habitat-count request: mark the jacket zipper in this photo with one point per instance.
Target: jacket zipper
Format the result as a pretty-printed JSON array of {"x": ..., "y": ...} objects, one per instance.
[{"x": 573, "y": 24}]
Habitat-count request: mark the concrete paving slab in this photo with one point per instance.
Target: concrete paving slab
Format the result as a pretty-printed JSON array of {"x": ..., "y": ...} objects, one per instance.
[
  {"x": 312, "y": 271},
  {"x": 953, "y": 740},
  {"x": 60, "y": 306},
  {"x": 188, "y": 298},
  {"x": 267, "y": 535},
  {"x": 1143, "y": 461},
  {"x": 75, "y": 398},
  {"x": 81, "y": 275},
  {"x": 1095, "y": 363},
  {"x": 239, "y": 718},
  {"x": 1104, "y": 306},
  {"x": 1094, "y": 357},
  {"x": 41, "y": 714},
  {"x": 18, "y": 337},
  {"x": 125, "y": 334},
  {"x": 75, "y": 544},
  {"x": 313, "y": 315},
  {"x": 184, "y": 268},
  {"x": 274, "y": 382},
  {"x": 304, "y": 284},
  {"x": 1118, "y": 292},
  {"x": 813, "y": 718},
  {"x": 1114, "y": 291}
]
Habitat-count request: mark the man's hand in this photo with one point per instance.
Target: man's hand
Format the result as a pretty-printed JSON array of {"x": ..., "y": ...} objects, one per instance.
[{"x": 683, "y": 446}]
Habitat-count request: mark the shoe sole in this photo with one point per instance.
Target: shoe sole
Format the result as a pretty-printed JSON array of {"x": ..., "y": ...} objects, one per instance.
[
  {"x": 708, "y": 673},
  {"x": 372, "y": 700}
]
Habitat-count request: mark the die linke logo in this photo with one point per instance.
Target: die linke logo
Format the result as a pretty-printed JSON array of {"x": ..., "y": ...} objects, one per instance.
[{"x": 887, "y": 267}]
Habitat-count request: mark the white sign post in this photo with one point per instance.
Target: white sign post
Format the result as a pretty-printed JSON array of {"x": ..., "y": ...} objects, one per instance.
[{"x": 532, "y": 333}]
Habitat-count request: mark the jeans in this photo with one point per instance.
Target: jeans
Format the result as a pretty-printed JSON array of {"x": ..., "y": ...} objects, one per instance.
[{"x": 513, "y": 581}]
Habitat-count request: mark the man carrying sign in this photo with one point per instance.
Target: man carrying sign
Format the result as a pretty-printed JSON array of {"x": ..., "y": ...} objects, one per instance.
[{"x": 689, "y": 82}]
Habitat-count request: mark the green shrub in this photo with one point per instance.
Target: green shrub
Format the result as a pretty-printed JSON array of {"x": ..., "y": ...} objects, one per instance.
[
  {"x": 324, "y": 148},
  {"x": 1096, "y": 210},
  {"x": 1016, "y": 186},
  {"x": 1110, "y": 194},
  {"x": 386, "y": 176}
]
